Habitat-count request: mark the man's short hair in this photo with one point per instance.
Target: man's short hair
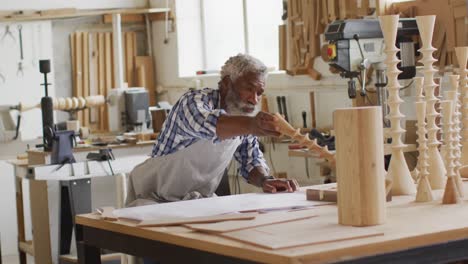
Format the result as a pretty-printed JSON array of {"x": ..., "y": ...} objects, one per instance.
[{"x": 241, "y": 64}]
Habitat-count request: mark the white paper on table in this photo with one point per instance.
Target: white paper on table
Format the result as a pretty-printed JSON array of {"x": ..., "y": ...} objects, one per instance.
[{"x": 217, "y": 205}]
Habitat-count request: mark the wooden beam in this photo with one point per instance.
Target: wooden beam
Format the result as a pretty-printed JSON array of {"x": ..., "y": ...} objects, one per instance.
[
  {"x": 80, "y": 13},
  {"x": 128, "y": 18}
]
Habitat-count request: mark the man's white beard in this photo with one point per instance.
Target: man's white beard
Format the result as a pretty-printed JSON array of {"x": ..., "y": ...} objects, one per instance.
[{"x": 234, "y": 105}]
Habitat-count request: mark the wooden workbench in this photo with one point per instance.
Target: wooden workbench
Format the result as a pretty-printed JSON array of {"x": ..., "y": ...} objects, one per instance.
[{"x": 414, "y": 233}]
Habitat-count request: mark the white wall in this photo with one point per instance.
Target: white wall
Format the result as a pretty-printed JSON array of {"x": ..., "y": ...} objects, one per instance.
[{"x": 80, "y": 4}]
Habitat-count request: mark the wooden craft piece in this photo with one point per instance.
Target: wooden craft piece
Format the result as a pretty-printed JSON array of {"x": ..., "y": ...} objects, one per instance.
[
  {"x": 436, "y": 165},
  {"x": 299, "y": 233},
  {"x": 462, "y": 57},
  {"x": 61, "y": 103},
  {"x": 418, "y": 84},
  {"x": 451, "y": 194},
  {"x": 329, "y": 193},
  {"x": 361, "y": 185},
  {"x": 68, "y": 103},
  {"x": 286, "y": 129},
  {"x": 398, "y": 170},
  {"x": 81, "y": 102},
  {"x": 453, "y": 96},
  {"x": 75, "y": 103},
  {"x": 95, "y": 100},
  {"x": 107, "y": 213},
  {"x": 260, "y": 220},
  {"x": 192, "y": 220},
  {"x": 424, "y": 191}
]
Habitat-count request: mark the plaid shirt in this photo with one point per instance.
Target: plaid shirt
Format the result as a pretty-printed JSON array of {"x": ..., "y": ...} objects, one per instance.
[{"x": 194, "y": 117}]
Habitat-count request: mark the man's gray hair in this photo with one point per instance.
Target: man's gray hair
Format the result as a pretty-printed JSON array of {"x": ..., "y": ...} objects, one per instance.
[{"x": 241, "y": 64}]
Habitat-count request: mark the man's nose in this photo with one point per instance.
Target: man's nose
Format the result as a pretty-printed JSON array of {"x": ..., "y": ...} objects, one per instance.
[{"x": 253, "y": 99}]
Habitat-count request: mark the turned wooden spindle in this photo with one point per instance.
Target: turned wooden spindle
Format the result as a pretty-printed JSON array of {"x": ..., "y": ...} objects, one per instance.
[
  {"x": 398, "y": 171},
  {"x": 418, "y": 85},
  {"x": 424, "y": 191},
  {"x": 436, "y": 164},
  {"x": 451, "y": 195},
  {"x": 452, "y": 96},
  {"x": 286, "y": 129},
  {"x": 462, "y": 57}
]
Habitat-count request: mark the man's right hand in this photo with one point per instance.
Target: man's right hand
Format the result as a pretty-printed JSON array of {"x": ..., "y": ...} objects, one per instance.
[{"x": 264, "y": 124}]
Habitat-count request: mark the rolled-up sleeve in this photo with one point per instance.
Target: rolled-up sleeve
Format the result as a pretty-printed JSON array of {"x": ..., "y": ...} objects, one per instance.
[
  {"x": 249, "y": 155},
  {"x": 198, "y": 118}
]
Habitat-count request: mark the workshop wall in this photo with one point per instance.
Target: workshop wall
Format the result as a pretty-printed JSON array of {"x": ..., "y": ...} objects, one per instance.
[{"x": 25, "y": 87}]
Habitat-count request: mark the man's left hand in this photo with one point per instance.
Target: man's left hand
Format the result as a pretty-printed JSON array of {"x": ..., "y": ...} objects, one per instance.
[{"x": 279, "y": 185}]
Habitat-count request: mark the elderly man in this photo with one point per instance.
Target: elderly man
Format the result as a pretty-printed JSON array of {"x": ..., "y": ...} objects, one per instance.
[{"x": 202, "y": 133}]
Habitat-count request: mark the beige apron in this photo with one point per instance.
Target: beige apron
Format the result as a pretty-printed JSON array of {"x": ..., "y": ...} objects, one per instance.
[{"x": 191, "y": 173}]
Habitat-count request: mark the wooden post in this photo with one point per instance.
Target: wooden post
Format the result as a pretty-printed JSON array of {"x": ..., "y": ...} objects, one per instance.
[
  {"x": 360, "y": 185},
  {"x": 118, "y": 65}
]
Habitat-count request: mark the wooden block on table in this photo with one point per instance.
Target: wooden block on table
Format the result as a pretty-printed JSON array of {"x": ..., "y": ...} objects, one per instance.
[
  {"x": 192, "y": 220},
  {"x": 322, "y": 195},
  {"x": 260, "y": 220}
]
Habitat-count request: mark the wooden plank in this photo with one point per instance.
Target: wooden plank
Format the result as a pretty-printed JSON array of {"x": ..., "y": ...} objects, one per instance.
[
  {"x": 79, "y": 70},
  {"x": 93, "y": 78},
  {"x": 102, "y": 77},
  {"x": 260, "y": 220},
  {"x": 109, "y": 79},
  {"x": 191, "y": 220},
  {"x": 58, "y": 11},
  {"x": 85, "y": 75},
  {"x": 147, "y": 63},
  {"x": 282, "y": 47},
  {"x": 20, "y": 220},
  {"x": 130, "y": 53},
  {"x": 299, "y": 233},
  {"x": 82, "y": 13},
  {"x": 125, "y": 18},
  {"x": 40, "y": 221}
]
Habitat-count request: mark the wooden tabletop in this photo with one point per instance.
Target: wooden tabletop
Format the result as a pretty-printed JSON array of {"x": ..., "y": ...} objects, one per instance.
[{"x": 408, "y": 225}]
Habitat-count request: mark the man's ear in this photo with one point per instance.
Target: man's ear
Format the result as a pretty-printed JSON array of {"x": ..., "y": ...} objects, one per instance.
[{"x": 224, "y": 83}]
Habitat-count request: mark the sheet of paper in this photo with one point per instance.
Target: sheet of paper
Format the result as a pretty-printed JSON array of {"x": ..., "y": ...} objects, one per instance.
[{"x": 218, "y": 205}]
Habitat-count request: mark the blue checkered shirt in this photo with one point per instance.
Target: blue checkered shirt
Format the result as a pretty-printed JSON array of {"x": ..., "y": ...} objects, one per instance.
[{"x": 194, "y": 117}]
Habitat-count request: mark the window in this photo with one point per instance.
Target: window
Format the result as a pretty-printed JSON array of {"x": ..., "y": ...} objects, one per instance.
[{"x": 210, "y": 31}]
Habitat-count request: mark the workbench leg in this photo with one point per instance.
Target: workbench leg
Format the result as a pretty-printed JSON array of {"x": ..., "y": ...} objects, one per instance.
[
  {"x": 40, "y": 221},
  {"x": 75, "y": 199},
  {"x": 86, "y": 253},
  {"x": 20, "y": 218}
]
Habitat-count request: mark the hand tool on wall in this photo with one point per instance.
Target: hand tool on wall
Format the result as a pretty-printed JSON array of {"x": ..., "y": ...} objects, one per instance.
[
  {"x": 285, "y": 108},
  {"x": 278, "y": 101},
  {"x": 20, "y": 72},
  {"x": 8, "y": 33},
  {"x": 304, "y": 120}
]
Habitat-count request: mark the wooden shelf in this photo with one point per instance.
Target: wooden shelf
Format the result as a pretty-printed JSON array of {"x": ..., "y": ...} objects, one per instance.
[{"x": 71, "y": 13}]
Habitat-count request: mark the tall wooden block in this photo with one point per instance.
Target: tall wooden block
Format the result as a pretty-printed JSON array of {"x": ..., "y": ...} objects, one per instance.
[{"x": 360, "y": 166}]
